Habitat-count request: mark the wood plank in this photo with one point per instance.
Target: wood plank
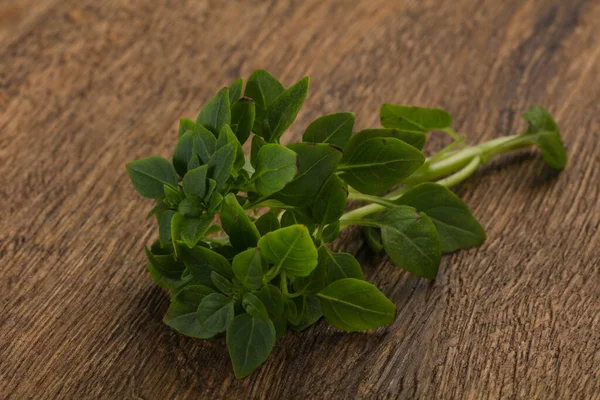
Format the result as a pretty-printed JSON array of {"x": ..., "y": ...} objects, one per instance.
[{"x": 86, "y": 86}]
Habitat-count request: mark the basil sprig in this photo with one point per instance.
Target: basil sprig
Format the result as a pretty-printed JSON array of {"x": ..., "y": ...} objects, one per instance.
[{"x": 243, "y": 242}]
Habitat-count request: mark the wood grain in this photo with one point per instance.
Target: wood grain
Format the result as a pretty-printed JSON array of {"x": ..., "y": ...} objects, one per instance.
[{"x": 86, "y": 86}]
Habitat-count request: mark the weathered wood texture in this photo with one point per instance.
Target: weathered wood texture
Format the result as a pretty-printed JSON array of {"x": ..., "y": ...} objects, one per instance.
[{"x": 87, "y": 85}]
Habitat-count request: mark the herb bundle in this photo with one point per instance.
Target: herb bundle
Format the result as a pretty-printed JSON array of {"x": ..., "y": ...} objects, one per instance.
[{"x": 242, "y": 241}]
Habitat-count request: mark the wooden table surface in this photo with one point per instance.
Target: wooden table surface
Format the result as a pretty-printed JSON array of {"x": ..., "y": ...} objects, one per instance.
[{"x": 87, "y": 85}]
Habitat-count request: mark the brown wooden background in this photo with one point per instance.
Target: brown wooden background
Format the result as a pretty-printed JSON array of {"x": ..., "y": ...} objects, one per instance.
[{"x": 87, "y": 85}]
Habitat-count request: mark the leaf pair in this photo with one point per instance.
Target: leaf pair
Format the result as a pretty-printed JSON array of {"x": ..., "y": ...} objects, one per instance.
[
  {"x": 276, "y": 107},
  {"x": 198, "y": 311},
  {"x": 346, "y": 301},
  {"x": 375, "y": 160},
  {"x": 149, "y": 176},
  {"x": 544, "y": 133},
  {"x": 426, "y": 221}
]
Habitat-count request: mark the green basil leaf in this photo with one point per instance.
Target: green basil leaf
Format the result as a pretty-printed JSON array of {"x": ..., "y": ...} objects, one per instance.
[
  {"x": 254, "y": 306},
  {"x": 243, "y": 114},
  {"x": 215, "y": 312},
  {"x": 165, "y": 270},
  {"x": 313, "y": 283},
  {"x": 290, "y": 247},
  {"x": 316, "y": 162},
  {"x": 215, "y": 202},
  {"x": 414, "y": 119},
  {"x": 333, "y": 128},
  {"x": 159, "y": 207},
  {"x": 331, "y": 232},
  {"x": 282, "y": 112},
  {"x": 235, "y": 90},
  {"x": 339, "y": 265},
  {"x": 330, "y": 202},
  {"x": 294, "y": 309},
  {"x": 379, "y": 164},
  {"x": 411, "y": 241},
  {"x": 185, "y": 125},
  {"x": 226, "y": 251},
  {"x": 227, "y": 136},
  {"x": 280, "y": 323},
  {"x": 194, "y": 182},
  {"x": 312, "y": 313},
  {"x": 373, "y": 238},
  {"x": 270, "y": 203},
  {"x": 222, "y": 284},
  {"x": 276, "y": 166},
  {"x": 247, "y": 267},
  {"x": 164, "y": 228},
  {"x": 456, "y": 226},
  {"x": 193, "y": 229},
  {"x": 190, "y": 207},
  {"x": 263, "y": 88},
  {"x": 241, "y": 183},
  {"x": 204, "y": 143},
  {"x": 182, "y": 313},
  {"x": 220, "y": 164},
  {"x": 266, "y": 223},
  {"x": 272, "y": 299},
  {"x": 194, "y": 162},
  {"x": 201, "y": 261},
  {"x": 211, "y": 186},
  {"x": 150, "y": 174},
  {"x": 176, "y": 223},
  {"x": 355, "y": 305},
  {"x": 197, "y": 277},
  {"x": 250, "y": 340},
  {"x": 172, "y": 196},
  {"x": 216, "y": 112},
  {"x": 297, "y": 217},
  {"x": 257, "y": 144},
  {"x": 157, "y": 249},
  {"x": 236, "y": 223},
  {"x": 172, "y": 284},
  {"x": 415, "y": 139},
  {"x": 184, "y": 149},
  {"x": 544, "y": 133}
]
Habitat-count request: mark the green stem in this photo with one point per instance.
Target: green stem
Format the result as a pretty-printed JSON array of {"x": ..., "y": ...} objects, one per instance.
[
  {"x": 272, "y": 273},
  {"x": 447, "y": 150},
  {"x": 372, "y": 199},
  {"x": 283, "y": 283},
  {"x": 452, "y": 133},
  {"x": 461, "y": 175},
  {"x": 455, "y": 166},
  {"x": 361, "y": 221},
  {"x": 318, "y": 233},
  {"x": 458, "y": 159}
]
